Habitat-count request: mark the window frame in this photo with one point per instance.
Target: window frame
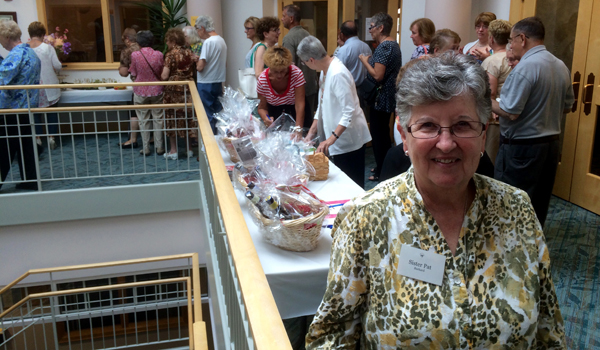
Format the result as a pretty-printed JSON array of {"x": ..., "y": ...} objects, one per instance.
[{"x": 108, "y": 47}]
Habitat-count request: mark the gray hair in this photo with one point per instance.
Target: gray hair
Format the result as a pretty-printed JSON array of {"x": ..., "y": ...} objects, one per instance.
[
  {"x": 192, "y": 35},
  {"x": 441, "y": 78},
  {"x": 385, "y": 20},
  {"x": 311, "y": 47},
  {"x": 10, "y": 29},
  {"x": 293, "y": 11},
  {"x": 145, "y": 38},
  {"x": 206, "y": 22}
]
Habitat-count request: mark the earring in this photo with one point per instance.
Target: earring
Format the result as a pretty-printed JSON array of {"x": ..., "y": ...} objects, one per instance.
[
  {"x": 481, "y": 155},
  {"x": 406, "y": 153}
]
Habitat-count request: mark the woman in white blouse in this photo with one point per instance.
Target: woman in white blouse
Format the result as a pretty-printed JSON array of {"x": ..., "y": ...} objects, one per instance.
[
  {"x": 48, "y": 97},
  {"x": 339, "y": 121}
]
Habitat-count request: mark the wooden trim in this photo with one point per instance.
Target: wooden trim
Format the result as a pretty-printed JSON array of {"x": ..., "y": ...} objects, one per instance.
[
  {"x": 190, "y": 316},
  {"x": 520, "y": 9},
  {"x": 332, "y": 25},
  {"x": 200, "y": 338},
  {"x": 95, "y": 108},
  {"x": 108, "y": 54},
  {"x": 196, "y": 284},
  {"x": 91, "y": 66},
  {"x": 97, "y": 289},
  {"x": 41, "y": 10},
  {"x": 393, "y": 12},
  {"x": 348, "y": 10},
  {"x": 263, "y": 316}
]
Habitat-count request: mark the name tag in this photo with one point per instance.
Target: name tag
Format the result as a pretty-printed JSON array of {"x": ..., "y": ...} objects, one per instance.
[{"x": 421, "y": 265}]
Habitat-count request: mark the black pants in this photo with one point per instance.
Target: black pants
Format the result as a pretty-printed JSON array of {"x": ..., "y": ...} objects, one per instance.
[
  {"x": 15, "y": 147},
  {"x": 275, "y": 112},
  {"x": 531, "y": 168},
  {"x": 380, "y": 135},
  {"x": 352, "y": 164}
]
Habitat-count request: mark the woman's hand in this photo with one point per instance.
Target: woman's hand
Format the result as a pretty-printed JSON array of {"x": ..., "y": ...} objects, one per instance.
[
  {"x": 481, "y": 54},
  {"x": 364, "y": 58},
  {"x": 268, "y": 121},
  {"x": 324, "y": 146}
]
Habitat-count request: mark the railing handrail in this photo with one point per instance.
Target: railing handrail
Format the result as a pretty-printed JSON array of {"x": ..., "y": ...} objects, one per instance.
[
  {"x": 90, "y": 85},
  {"x": 94, "y": 108},
  {"x": 187, "y": 280}
]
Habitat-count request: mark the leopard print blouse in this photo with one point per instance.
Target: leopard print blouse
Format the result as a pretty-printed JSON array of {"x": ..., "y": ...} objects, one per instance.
[{"x": 497, "y": 292}]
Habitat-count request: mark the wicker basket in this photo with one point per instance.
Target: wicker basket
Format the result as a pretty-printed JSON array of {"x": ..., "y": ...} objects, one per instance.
[
  {"x": 299, "y": 235},
  {"x": 233, "y": 155},
  {"x": 321, "y": 164}
]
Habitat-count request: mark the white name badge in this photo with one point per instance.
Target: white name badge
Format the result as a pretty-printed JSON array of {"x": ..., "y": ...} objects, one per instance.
[{"x": 422, "y": 265}]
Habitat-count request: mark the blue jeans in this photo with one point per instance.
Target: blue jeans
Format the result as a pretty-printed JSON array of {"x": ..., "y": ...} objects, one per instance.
[{"x": 209, "y": 94}]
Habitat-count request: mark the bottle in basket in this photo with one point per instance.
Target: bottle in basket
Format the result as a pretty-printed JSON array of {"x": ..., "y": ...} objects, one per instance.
[
  {"x": 257, "y": 202},
  {"x": 279, "y": 210}
]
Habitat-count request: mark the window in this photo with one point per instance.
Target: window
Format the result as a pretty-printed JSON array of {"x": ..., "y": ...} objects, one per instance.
[{"x": 94, "y": 38}]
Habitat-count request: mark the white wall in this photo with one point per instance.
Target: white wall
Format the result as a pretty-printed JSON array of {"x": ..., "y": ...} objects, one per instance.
[
  {"x": 26, "y": 13},
  {"x": 501, "y": 8},
  {"x": 99, "y": 240},
  {"x": 210, "y": 8},
  {"x": 455, "y": 15}
]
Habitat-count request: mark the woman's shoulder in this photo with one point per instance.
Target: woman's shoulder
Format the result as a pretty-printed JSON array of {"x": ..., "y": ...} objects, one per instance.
[{"x": 503, "y": 200}]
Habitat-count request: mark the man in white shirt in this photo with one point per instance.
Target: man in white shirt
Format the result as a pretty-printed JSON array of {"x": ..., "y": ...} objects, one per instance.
[
  {"x": 211, "y": 67},
  {"x": 350, "y": 51}
]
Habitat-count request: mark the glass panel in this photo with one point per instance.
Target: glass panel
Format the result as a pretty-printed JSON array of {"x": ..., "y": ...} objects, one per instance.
[
  {"x": 560, "y": 21},
  {"x": 83, "y": 19},
  {"x": 595, "y": 161},
  {"x": 314, "y": 18},
  {"x": 366, "y": 9},
  {"x": 127, "y": 14}
]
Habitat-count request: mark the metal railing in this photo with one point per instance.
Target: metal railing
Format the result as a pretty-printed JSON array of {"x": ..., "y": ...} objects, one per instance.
[
  {"x": 79, "y": 146},
  {"x": 107, "y": 317},
  {"x": 243, "y": 308}
]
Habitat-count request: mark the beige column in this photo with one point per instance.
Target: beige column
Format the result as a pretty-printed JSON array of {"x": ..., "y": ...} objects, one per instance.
[{"x": 455, "y": 15}]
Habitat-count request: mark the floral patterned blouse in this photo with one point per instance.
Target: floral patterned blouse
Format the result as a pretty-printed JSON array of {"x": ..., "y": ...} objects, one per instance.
[
  {"x": 497, "y": 292},
  {"x": 20, "y": 67}
]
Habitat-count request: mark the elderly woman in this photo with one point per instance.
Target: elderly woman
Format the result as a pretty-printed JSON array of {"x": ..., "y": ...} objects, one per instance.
[
  {"x": 439, "y": 257},
  {"x": 268, "y": 32},
  {"x": 180, "y": 65},
  {"x": 421, "y": 33},
  {"x": 20, "y": 67},
  {"x": 50, "y": 66},
  {"x": 510, "y": 57},
  {"x": 383, "y": 67},
  {"x": 250, "y": 26},
  {"x": 281, "y": 89},
  {"x": 147, "y": 65},
  {"x": 497, "y": 69},
  {"x": 480, "y": 48},
  {"x": 192, "y": 40},
  {"x": 339, "y": 120},
  {"x": 131, "y": 45},
  {"x": 445, "y": 40}
]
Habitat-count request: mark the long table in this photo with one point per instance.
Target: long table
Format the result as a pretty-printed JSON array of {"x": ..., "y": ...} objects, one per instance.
[
  {"x": 298, "y": 280},
  {"x": 96, "y": 96}
]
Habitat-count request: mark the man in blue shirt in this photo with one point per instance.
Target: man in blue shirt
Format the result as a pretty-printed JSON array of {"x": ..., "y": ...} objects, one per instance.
[
  {"x": 20, "y": 67},
  {"x": 352, "y": 48}
]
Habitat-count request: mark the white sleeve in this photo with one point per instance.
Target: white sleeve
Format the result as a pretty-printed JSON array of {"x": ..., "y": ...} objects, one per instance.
[{"x": 341, "y": 86}]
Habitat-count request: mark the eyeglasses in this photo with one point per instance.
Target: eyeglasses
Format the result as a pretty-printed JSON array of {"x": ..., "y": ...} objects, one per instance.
[
  {"x": 510, "y": 39},
  {"x": 373, "y": 26},
  {"x": 249, "y": 28},
  {"x": 275, "y": 29},
  {"x": 462, "y": 129}
]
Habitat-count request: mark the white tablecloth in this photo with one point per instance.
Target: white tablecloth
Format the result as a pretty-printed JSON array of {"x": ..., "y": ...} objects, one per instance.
[
  {"x": 298, "y": 280},
  {"x": 94, "y": 96}
]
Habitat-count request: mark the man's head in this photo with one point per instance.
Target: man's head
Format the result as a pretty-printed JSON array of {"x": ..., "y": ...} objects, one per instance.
[
  {"x": 129, "y": 36},
  {"x": 290, "y": 16},
  {"x": 348, "y": 30},
  {"x": 204, "y": 25},
  {"x": 525, "y": 35}
]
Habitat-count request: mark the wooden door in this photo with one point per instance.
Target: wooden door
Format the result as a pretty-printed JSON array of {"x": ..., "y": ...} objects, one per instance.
[
  {"x": 323, "y": 24},
  {"x": 564, "y": 173},
  {"x": 585, "y": 184}
]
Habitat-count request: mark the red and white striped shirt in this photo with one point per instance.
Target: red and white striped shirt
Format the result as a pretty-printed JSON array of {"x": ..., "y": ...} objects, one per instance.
[{"x": 295, "y": 80}]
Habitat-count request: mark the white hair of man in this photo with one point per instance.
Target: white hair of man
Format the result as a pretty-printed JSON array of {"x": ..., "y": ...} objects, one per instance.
[
  {"x": 192, "y": 35},
  {"x": 311, "y": 47},
  {"x": 205, "y": 22}
]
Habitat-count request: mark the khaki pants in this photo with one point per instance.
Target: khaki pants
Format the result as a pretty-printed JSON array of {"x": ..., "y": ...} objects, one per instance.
[{"x": 158, "y": 121}]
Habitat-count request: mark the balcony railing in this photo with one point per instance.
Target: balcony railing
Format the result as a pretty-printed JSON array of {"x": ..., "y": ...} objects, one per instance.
[{"x": 245, "y": 313}]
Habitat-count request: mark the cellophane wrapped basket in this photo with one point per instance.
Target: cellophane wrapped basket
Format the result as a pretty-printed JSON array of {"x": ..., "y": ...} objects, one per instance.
[{"x": 321, "y": 164}]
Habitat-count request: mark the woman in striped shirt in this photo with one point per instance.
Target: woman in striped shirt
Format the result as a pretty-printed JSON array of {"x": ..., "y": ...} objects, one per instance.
[{"x": 281, "y": 89}]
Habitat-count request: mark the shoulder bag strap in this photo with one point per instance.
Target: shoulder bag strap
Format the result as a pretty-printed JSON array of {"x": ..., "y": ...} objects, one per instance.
[{"x": 149, "y": 65}]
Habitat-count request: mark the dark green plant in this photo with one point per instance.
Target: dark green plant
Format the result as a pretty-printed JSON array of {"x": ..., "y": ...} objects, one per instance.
[{"x": 165, "y": 15}]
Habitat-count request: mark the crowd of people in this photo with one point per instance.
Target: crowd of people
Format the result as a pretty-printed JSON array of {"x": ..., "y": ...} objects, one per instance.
[{"x": 449, "y": 251}]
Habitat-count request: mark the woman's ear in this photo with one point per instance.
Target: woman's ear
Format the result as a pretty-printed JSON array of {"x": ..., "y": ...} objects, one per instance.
[{"x": 401, "y": 131}]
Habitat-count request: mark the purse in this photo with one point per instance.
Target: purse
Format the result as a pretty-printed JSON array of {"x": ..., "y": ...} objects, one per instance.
[
  {"x": 248, "y": 82},
  {"x": 369, "y": 91}
]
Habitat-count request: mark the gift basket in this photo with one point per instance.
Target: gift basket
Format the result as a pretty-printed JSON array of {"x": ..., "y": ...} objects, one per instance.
[
  {"x": 236, "y": 125},
  {"x": 320, "y": 162}
]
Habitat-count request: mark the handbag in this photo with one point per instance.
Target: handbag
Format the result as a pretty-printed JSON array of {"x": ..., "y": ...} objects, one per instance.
[
  {"x": 248, "y": 82},
  {"x": 369, "y": 91}
]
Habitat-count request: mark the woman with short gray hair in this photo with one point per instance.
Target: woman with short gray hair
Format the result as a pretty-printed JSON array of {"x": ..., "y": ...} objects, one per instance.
[
  {"x": 439, "y": 257},
  {"x": 383, "y": 67},
  {"x": 192, "y": 40},
  {"x": 339, "y": 121},
  {"x": 205, "y": 22}
]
